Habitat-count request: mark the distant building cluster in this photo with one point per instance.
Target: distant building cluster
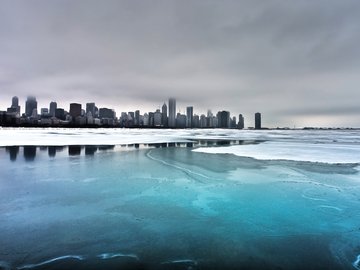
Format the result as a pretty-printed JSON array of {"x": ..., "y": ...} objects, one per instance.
[{"x": 92, "y": 116}]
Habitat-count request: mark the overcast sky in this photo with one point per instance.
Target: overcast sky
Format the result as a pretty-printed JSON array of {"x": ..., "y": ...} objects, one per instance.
[{"x": 296, "y": 62}]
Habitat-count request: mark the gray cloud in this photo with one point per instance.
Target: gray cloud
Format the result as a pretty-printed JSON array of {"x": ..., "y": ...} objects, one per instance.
[{"x": 284, "y": 58}]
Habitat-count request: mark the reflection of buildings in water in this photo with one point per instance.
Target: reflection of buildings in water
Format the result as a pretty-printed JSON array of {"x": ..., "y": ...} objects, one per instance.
[
  {"x": 90, "y": 150},
  {"x": 13, "y": 151},
  {"x": 52, "y": 151},
  {"x": 29, "y": 153},
  {"x": 74, "y": 150},
  {"x": 223, "y": 143},
  {"x": 156, "y": 145},
  {"x": 106, "y": 147}
]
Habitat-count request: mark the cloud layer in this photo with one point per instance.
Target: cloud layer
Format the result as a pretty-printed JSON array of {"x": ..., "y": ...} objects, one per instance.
[{"x": 298, "y": 62}]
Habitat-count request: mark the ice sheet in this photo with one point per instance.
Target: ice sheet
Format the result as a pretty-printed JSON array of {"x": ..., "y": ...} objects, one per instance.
[
  {"x": 297, "y": 151},
  {"x": 101, "y": 136}
]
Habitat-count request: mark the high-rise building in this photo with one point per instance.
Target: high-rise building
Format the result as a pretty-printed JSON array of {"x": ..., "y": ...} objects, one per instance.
[
  {"x": 181, "y": 120},
  {"x": 15, "y": 108},
  {"x": 203, "y": 123},
  {"x": 137, "y": 118},
  {"x": 75, "y": 110},
  {"x": 172, "y": 112},
  {"x": 15, "y": 102},
  {"x": 146, "y": 120},
  {"x": 131, "y": 119},
  {"x": 106, "y": 113},
  {"x": 44, "y": 112},
  {"x": 196, "y": 121},
  {"x": 164, "y": 118},
  {"x": 224, "y": 119},
  {"x": 30, "y": 106},
  {"x": 257, "y": 120},
  {"x": 189, "y": 116},
  {"x": 91, "y": 108},
  {"x": 60, "y": 113},
  {"x": 233, "y": 122},
  {"x": 241, "y": 122},
  {"x": 209, "y": 119},
  {"x": 157, "y": 118},
  {"x": 52, "y": 107},
  {"x": 151, "y": 119}
]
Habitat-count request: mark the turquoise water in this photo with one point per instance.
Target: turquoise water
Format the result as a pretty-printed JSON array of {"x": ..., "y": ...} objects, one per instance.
[{"x": 165, "y": 206}]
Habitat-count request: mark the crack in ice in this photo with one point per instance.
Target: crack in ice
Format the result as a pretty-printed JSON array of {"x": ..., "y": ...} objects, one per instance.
[
  {"x": 29, "y": 266},
  {"x": 186, "y": 171},
  {"x": 106, "y": 256}
]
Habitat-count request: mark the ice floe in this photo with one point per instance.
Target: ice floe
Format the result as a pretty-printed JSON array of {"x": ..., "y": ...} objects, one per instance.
[{"x": 296, "y": 151}]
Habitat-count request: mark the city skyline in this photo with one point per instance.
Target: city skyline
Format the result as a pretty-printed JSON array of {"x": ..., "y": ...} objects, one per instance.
[
  {"x": 297, "y": 62},
  {"x": 91, "y": 115}
]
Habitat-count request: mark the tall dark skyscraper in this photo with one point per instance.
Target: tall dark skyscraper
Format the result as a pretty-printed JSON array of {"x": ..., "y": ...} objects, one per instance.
[
  {"x": 241, "y": 122},
  {"x": 106, "y": 113},
  {"x": 257, "y": 120},
  {"x": 15, "y": 102},
  {"x": 224, "y": 119},
  {"x": 137, "y": 118},
  {"x": 164, "y": 118},
  {"x": 172, "y": 112},
  {"x": 30, "y": 106},
  {"x": 75, "y": 110},
  {"x": 15, "y": 108},
  {"x": 189, "y": 116},
  {"x": 90, "y": 108},
  {"x": 53, "y": 107}
]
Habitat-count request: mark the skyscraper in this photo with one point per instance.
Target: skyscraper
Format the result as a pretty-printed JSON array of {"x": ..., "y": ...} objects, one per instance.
[
  {"x": 172, "y": 112},
  {"x": 90, "y": 108},
  {"x": 224, "y": 119},
  {"x": 15, "y": 108},
  {"x": 30, "y": 106},
  {"x": 137, "y": 118},
  {"x": 209, "y": 119},
  {"x": 75, "y": 110},
  {"x": 157, "y": 118},
  {"x": 15, "y": 102},
  {"x": 180, "y": 120},
  {"x": 44, "y": 112},
  {"x": 106, "y": 113},
  {"x": 60, "y": 113},
  {"x": 257, "y": 120},
  {"x": 164, "y": 118},
  {"x": 241, "y": 122},
  {"x": 189, "y": 116},
  {"x": 53, "y": 107}
]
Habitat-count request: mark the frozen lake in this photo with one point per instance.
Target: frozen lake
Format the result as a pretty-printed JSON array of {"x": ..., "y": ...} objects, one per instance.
[{"x": 179, "y": 199}]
